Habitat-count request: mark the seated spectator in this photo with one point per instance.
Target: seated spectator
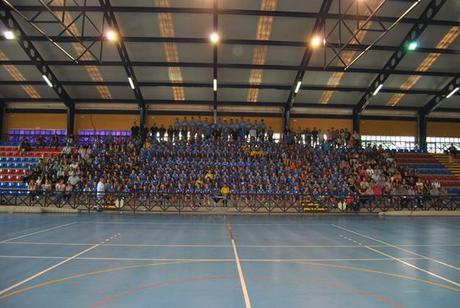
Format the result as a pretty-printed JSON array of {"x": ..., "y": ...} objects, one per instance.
[
  {"x": 452, "y": 150},
  {"x": 60, "y": 190},
  {"x": 24, "y": 146}
]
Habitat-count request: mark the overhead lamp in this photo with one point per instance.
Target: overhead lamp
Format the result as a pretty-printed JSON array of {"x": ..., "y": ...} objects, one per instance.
[
  {"x": 214, "y": 85},
  {"x": 48, "y": 82},
  {"x": 111, "y": 35},
  {"x": 377, "y": 90},
  {"x": 412, "y": 46},
  {"x": 316, "y": 41},
  {"x": 131, "y": 83},
  {"x": 214, "y": 38},
  {"x": 9, "y": 35},
  {"x": 453, "y": 92},
  {"x": 297, "y": 87}
]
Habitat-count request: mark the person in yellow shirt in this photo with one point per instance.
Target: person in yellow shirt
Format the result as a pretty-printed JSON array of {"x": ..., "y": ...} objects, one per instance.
[
  {"x": 199, "y": 183},
  {"x": 209, "y": 176},
  {"x": 225, "y": 192}
]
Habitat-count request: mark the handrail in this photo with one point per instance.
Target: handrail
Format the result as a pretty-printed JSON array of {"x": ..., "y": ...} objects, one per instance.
[{"x": 251, "y": 202}]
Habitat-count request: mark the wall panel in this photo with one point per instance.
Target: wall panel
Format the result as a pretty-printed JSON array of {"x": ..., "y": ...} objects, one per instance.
[
  {"x": 105, "y": 121},
  {"x": 34, "y": 121},
  {"x": 443, "y": 129},
  {"x": 388, "y": 128}
]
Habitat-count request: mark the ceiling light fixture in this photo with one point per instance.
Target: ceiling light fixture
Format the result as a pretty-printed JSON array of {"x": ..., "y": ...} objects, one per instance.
[
  {"x": 214, "y": 38},
  {"x": 412, "y": 46},
  {"x": 214, "y": 85},
  {"x": 377, "y": 90},
  {"x": 316, "y": 41},
  {"x": 297, "y": 87},
  {"x": 453, "y": 92},
  {"x": 131, "y": 83},
  {"x": 9, "y": 35},
  {"x": 48, "y": 82},
  {"x": 111, "y": 35}
]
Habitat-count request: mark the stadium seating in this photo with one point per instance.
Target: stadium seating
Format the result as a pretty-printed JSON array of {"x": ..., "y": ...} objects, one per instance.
[
  {"x": 430, "y": 168},
  {"x": 13, "y": 166}
]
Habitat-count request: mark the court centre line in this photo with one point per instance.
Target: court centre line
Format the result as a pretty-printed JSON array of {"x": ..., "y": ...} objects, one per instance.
[
  {"x": 247, "y": 301},
  {"x": 207, "y": 260},
  {"x": 413, "y": 266},
  {"x": 37, "y": 232},
  {"x": 397, "y": 247},
  {"x": 46, "y": 270}
]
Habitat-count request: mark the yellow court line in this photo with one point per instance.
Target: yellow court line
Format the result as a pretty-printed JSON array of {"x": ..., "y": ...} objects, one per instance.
[
  {"x": 371, "y": 271},
  {"x": 93, "y": 273},
  {"x": 121, "y": 268}
]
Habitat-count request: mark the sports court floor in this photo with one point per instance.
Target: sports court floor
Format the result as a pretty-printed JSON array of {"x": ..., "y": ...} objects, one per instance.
[{"x": 91, "y": 260}]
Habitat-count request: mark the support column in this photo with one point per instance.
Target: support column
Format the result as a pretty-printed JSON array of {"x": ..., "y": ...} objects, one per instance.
[
  {"x": 287, "y": 120},
  {"x": 421, "y": 131},
  {"x": 142, "y": 117},
  {"x": 70, "y": 120},
  {"x": 2, "y": 120},
  {"x": 356, "y": 121}
]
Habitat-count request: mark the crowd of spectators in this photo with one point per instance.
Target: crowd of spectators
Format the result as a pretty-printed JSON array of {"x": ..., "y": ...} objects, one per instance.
[
  {"x": 190, "y": 129},
  {"x": 332, "y": 166}
]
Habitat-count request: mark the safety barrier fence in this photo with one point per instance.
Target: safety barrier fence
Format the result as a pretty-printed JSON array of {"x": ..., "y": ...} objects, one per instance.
[{"x": 242, "y": 203}]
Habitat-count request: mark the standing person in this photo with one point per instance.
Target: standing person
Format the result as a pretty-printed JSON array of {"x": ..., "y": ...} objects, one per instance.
[
  {"x": 170, "y": 132},
  {"x": 452, "y": 150},
  {"x": 261, "y": 129},
  {"x": 135, "y": 130},
  {"x": 154, "y": 131},
  {"x": 270, "y": 134},
  {"x": 162, "y": 131},
  {"x": 100, "y": 192},
  {"x": 357, "y": 139},
  {"x": 314, "y": 135},
  {"x": 308, "y": 136},
  {"x": 347, "y": 137}
]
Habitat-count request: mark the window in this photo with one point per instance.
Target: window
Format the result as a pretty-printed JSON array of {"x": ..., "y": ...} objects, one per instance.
[
  {"x": 441, "y": 144},
  {"x": 390, "y": 142}
]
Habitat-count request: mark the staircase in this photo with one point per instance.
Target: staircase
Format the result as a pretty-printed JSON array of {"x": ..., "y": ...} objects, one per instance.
[{"x": 454, "y": 166}]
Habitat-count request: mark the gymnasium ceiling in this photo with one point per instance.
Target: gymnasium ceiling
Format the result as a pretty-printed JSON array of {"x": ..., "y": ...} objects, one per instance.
[{"x": 259, "y": 56}]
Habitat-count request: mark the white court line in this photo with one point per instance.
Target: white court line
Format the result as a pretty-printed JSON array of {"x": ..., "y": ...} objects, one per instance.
[
  {"x": 209, "y": 260},
  {"x": 221, "y": 245},
  {"x": 397, "y": 247},
  {"x": 37, "y": 232},
  {"x": 204, "y": 223},
  {"x": 50, "y": 243},
  {"x": 415, "y": 267},
  {"x": 46, "y": 270},
  {"x": 247, "y": 301}
]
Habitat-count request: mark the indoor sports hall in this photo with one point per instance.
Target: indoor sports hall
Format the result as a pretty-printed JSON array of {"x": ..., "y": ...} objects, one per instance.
[{"x": 229, "y": 153}]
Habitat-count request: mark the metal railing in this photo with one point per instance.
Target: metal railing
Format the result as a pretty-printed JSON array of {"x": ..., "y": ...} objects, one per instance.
[{"x": 238, "y": 203}]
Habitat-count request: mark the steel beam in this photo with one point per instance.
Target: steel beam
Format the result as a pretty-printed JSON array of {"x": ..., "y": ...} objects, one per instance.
[
  {"x": 215, "y": 65},
  {"x": 2, "y": 117},
  {"x": 109, "y": 16},
  {"x": 32, "y": 52},
  {"x": 279, "y": 87},
  {"x": 238, "y": 12},
  {"x": 319, "y": 25},
  {"x": 421, "y": 132},
  {"x": 194, "y": 40},
  {"x": 440, "y": 96},
  {"x": 234, "y": 66},
  {"x": 417, "y": 29}
]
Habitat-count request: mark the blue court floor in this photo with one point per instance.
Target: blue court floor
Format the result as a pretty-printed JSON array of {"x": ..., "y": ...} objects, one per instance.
[{"x": 105, "y": 260}]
